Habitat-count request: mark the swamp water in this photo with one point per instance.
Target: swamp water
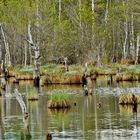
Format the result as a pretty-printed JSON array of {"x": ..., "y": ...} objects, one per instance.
[{"x": 94, "y": 117}]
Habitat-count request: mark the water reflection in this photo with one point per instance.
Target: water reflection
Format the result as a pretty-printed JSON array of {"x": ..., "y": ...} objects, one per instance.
[{"x": 94, "y": 117}]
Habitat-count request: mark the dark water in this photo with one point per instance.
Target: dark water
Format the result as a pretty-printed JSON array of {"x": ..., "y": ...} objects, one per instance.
[{"x": 96, "y": 117}]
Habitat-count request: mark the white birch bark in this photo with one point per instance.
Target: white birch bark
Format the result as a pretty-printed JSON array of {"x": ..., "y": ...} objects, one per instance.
[
  {"x": 0, "y": 52},
  {"x": 92, "y": 35},
  {"x": 7, "y": 55},
  {"x": 66, "y": 64},
  {"x": 36, "y": 50},
  {"x": 59, "y": 11},
  {"x": 125, "y": 40},
  {"x": 93, "y": 6},
  {"x": 132, "y": 40},
  {"x": 126, "y": 32},
  {"x": 80, "y": 13},
  {"x": 25, "y": 55},
  {"x": 138, "y": 49},
  {"x": 106, "y": 13}
]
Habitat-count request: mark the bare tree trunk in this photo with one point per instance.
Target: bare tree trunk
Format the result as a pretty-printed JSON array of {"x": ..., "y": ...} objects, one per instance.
[
  {"x": 106, "y": 13},
  {"x": 7, "y": 55},
  {"x": 92, "y": 35},
  {"x": 36, "y": 50},
  {"x": 25, "y": 55},
  {"x": 125, "y": 40},
  {"x": 0, "y": 53},
  {"x": 93, "y": 6},
  {"x": 59, "y": 11},
  {"x": 125, "y": 51},
  {"x": 24, "y": 111},
  {"x": 137, "y": 50},
  {"x": 132, "y": 40},
  {"x": 80, "y": 13},
  {"x": 66, "y": 64},
  {"x": 3, "y": 76}
]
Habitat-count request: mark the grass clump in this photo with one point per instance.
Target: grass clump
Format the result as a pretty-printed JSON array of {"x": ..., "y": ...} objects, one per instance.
[
  {"x": 27, "y": 69},
  {"x": 129, "y": 98},
  {"x": 59, "y": 99}
]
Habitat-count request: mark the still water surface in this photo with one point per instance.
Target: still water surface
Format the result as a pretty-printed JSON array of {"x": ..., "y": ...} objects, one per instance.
[{"x": 86, "y": 120}]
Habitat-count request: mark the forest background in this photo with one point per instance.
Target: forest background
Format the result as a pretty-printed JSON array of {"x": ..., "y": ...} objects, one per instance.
[{"x": 105, "y": 31}]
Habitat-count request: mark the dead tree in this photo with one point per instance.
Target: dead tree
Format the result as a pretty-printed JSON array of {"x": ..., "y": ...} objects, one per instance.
[
  {"x": 35, "y": 48},
  {"x": 3, "y": 76},
  {"x": 24, "y": 111},
  {"x": 6, "y": 45},
  {"x": 66, "y": 64}
]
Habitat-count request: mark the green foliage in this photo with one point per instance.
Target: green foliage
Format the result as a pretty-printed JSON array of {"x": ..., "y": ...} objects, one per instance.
[
  {"x": 80, "y": 34},
  {"x": 27, "y": 69}
]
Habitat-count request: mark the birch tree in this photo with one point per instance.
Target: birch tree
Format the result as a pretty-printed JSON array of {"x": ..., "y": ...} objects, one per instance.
[
  {"x": 36, "y": 50},
  {"x": 7, "y": 60},
  {"x": 137, "y": 50}
]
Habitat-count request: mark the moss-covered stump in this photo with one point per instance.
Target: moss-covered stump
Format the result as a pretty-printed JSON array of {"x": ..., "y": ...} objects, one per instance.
[
  {"x": 58, "y": 104},
  {"x": 129, "y": 99}
]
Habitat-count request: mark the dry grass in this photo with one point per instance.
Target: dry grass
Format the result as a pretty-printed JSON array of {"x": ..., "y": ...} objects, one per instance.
[
  {"x": 127, "y": 98},
  {"x": 58, "y": 99}
]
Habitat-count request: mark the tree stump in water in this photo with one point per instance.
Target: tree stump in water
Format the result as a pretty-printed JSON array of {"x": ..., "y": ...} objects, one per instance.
[
  {"x": 37, "y": 81},
  {"x": 49, "y": 136},
  {"x": 84, "y": 80}
]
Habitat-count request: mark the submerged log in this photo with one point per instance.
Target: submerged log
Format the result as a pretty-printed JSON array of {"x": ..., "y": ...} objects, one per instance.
[{"x": 84, "y": 80}]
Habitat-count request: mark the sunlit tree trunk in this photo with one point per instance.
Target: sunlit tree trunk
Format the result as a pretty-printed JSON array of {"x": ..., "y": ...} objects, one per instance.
[
  {"x": 59, "y": 11},
  {"x": 25, "y": 55},
  {"x": 106, "y": 12},
  {"x": 36, "y": 50},
  {"x": 137, "y": 50},
  {"x": 132, "y": 40},
  {"x": 80, "y": 24},
  {"x": 7, "y": 54},
  {"x": 125, "y": 51},
  {"x": 93, "y": 6},
  {"x": 92, "y": 35}
]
